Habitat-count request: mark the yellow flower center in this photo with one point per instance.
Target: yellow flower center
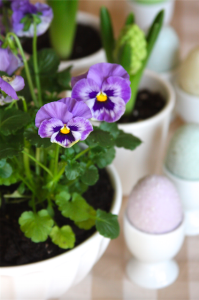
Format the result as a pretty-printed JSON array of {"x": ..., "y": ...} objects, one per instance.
[
  {"x": 101, "y": 97},
  {"x": 65, "y": 129}
]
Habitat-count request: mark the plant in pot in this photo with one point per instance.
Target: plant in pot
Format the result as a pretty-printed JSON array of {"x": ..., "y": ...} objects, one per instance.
[
  {"x": 148, "y": 112},
  {"x": 51, "y": 158}
]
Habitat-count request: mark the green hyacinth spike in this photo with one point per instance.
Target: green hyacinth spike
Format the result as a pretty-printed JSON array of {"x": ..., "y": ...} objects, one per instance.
[{"x": 135, "y": 38}]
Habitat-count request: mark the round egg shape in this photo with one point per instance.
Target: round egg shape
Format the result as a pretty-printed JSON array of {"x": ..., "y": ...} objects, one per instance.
[
  {"x": 166, "y": 52},
  {"x": 182, "y": 158},
  {"x": 154, "y": 205},
  {"x": 189, "y": 73}
]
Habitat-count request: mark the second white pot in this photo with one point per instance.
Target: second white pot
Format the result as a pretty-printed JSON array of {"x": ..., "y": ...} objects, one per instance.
[{"x": 146, "y": 159}]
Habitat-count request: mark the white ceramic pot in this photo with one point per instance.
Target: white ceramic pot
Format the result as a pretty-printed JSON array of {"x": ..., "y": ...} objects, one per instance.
[
  {"x": 83, "y": 64},
  {"x": 51, "y": 278},
  {"x": 189, "y": 194},
  {"x": 145, "y": 13},
  {"x": 187, "y": 106},
  {"x": 152, "y": 266},
  {"x": 146, "y": 159}
]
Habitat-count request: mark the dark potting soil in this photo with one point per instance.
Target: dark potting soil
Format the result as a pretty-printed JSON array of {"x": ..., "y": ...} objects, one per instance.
[
  {"x": 147, "y": 105},
  {"x": 16, "y": 249},
  {"x": 87, "y": 41}
]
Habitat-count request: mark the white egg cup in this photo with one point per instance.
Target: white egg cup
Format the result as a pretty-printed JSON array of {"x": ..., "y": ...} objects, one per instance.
[
  {"x": 187, "y": 105},
  {"x": 189, "y": 194},
  {"x": 152, "y": 266}
]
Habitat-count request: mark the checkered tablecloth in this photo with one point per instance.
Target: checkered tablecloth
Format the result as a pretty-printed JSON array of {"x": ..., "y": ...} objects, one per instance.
[{"x": 107, "y": 280}]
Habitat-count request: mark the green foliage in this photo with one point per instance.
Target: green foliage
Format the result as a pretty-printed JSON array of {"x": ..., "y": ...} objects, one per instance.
[
  {"x": 77, "y": 209},
  {"x": 36, "y": 226},
  {"x": 11, "y": 145},
  {"x": 12, "y": 120},
  {"x": 112, "y": 128},
  {"x": 5, "y": 169},
  {"x": 101, "y": 138},
  {"x": 103, "y": 156},
  {"x": 127, "y": 141},
  {"x": 31, "y": 134},
  {"x": 63, "y": 237},
  {"x": 64, "y": 78},
  {"x": 90, "y": 176},
  {"x": 107, "y": 224},
  {"x": 74, "y": 169}
]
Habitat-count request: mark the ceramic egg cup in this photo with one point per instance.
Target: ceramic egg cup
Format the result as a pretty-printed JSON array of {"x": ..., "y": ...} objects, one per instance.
[
  {"x": 189, "y": 194},
  {"x": 152, "y": 266},
  {"x": 187, "y": 105}
]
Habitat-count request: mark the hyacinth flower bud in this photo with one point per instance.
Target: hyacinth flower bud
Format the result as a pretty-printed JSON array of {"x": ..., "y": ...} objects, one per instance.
[{"x": 134, "y": 37}]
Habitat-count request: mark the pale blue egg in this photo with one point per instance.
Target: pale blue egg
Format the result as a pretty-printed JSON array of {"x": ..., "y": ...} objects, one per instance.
[
  {"x": 166, "y": 54},
  {"x": 182, "y": 157}
]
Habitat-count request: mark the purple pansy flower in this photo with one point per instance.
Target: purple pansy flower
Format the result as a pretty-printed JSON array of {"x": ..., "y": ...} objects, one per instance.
[
  {"x": 8, "y": 88},
  {"x": 64, "y": 121},
  {"x": 9, "y": 62},
  {"x": 22, "y": 18},
  {"x": 105, "y": 88}
]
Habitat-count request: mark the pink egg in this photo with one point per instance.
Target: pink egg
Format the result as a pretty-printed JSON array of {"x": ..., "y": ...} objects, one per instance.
[{"x": 154, "y": 205}]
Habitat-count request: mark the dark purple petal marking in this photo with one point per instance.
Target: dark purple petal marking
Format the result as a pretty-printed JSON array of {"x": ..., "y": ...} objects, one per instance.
[
  {"x": 109, "y": 93},
  {"x": 92, "y": 95},
  {"x": 109, "y": 105},
  {"x": 49, "y": 127},
  {"x": 119, "y": 87},
  {"x": 84, "y": 89}
]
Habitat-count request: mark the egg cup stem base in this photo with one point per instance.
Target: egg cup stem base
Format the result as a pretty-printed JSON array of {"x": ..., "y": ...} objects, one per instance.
[
  {"x": 152, "y": 275},
  {"x": 191, "y": 222}
]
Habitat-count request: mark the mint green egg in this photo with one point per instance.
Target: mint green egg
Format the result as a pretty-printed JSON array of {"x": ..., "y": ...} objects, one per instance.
[
  {"x": 166, "y": 52},
  {"x": 182, "y": 157}
]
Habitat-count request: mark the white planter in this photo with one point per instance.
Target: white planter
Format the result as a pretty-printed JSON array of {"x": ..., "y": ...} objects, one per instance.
[
  {"x": 51, "y": 278},
  {"x": 152, "y": 266},
  {"x": 189, "y": 194},
  {"x": 187, "y": 106},
  {"x": 83, "y": 64},
  {"x": 145, "y": 13},
  {"x": 145, "y": 160}
]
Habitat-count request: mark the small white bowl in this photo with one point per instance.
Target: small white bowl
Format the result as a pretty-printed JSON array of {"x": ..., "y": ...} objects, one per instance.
[
  {"x": 152, "y": 267},
  {"x": 189, "y": 194},
  {"x": 187, "y": 105}
]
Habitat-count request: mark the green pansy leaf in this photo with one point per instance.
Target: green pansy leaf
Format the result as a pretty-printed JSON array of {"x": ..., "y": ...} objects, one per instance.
[
  {"x": 11, "y": 145},
  {"x": 63, "y": 237},
  {"x": 127, "y": 141},
  {"x": 107, "y": 224},
  {"x": 101, "y": 138},
  {"x": 91, "y": 175},
  {"x": 11, "y": 120},
  {"x": 32, "y": 136},
  {"x": 2, "y": 162},
  {"x": 74, "y": 169},
  {"x": 77, "y": 209},
  {"x": 5, "y": 171},
  {"x": 13, "y": 178},
  {"x": 48, "y": 62},
  {"x": 86, "y": 225},
  {"x": 78, "y": 187},
  {"x": 36, "y": 226},
  {"x": 64, "y": 78},
  {"x": 63, "y": 197},
  {"x": 112, "y": 128},
  {"x": 104, "y": 159}
]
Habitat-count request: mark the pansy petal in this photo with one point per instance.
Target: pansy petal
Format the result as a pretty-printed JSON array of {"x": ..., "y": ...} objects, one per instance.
[
  {"x": 8, "y": 89},
  {"x": 15, "y": 61},
  {"x": 4, "y": 60},
  {"x": 57, "y": 110},
  {"x": 85, "y": 89},
  {"x": 77, "y": 108},
  {"x": 101, "y": 71},
  {"x": 81, "y": 126},
  {"x": 49, "y": 127},
  {"x": 64, "y": 140},
  {"x": 109, "y": 111},
  {"x": 74, "y": 80},
  {"x": 117, "y": 87},
  {"x": 17, "y": 83}
]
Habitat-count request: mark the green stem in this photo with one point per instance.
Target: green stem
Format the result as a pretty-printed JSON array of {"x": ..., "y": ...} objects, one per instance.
[
  {"x": 56, "y": 158},
  {"x": 81, "y": 153},
  {"x": 24, "y": 103},
  {"x": 56, "y": 178},
  {"x": 38, "y": 159},
  {"x": 27, "y": 164},
  {"x": 37, "y": 162},
  {"x": 36, "y": 69},
  {"x": 27, "y": 184},
  {"x": 25, "y": 66}
]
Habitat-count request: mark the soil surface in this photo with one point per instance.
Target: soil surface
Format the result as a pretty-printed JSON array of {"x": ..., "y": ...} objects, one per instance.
[
  {"x": 147, "y": 105},
  {"x": 87, "y": 41},
  {"x": 16, "y": 249}
]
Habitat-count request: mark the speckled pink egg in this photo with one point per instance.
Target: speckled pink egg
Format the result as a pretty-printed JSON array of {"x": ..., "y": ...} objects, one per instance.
[{"x": 154, "y": 205}]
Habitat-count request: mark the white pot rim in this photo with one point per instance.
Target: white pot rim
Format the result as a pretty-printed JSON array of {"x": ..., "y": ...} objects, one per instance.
[
  {"x": 168, "y": 107},
  {"x": 57, "y": 260},
  {"x": 184, "y": 94},
  {"x": 154, "y": 235}
]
